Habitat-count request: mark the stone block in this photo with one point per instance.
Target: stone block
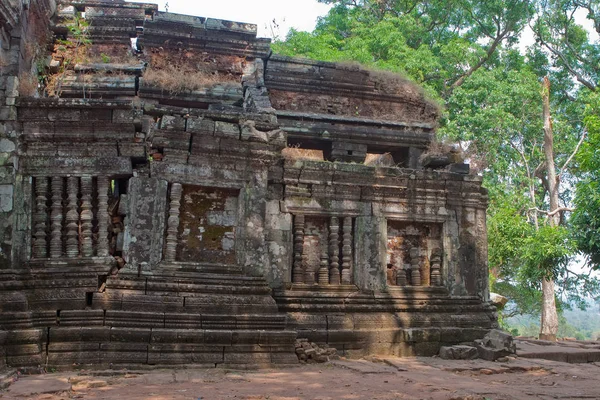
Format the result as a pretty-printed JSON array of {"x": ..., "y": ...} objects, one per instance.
[
  {"x": 8, "y": 113},
  {"x": 23, "y": 349},
  {"x": 458, "y": 352},
  {"x": 498, "y": 339},
  {"x": 130, "y": 335},
  {"x": 488, "y": 353},
  {"x": 458, "y": 168},
  {"x": 26, "y": 336},
  {"x": 422, "y": 335},
  {"x": 226, "y": 129},
  {"x": 123, "y": 116},
  {"x": 6, "y": 198},
  {"x": 200, "y": 125},
  {"x": 11, "y": 87},
  {"x": 71, "y": 115},
  {"x": 247, "y": 358},
  {"x": 177, "y": 336},
  {"x": 218, "y": 337},
  {"x": 245, "y": 337},
  {"x": 170, "y": 122},
  {"x": 59, "y": 335}
]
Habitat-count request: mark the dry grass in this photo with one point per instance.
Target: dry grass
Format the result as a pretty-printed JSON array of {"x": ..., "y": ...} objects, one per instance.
[
  {"x": 477, "y": 160},
  {"x": 175, "y": 80},
  {"x": 28, "y": 84},
  {"x": 379, "y": 160},
  {"x": 438, "y": 148},
  {"x": 295, "y": 153}
]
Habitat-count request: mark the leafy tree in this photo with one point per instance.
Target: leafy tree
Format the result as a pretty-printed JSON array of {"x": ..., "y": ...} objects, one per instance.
[
  {"x": 464, "y": 53},
  {"x": 586, "y": 218}
]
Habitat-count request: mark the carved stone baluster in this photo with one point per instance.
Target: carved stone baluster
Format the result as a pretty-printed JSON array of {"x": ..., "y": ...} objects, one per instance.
[
  {"x": 173, "y": 222},
  {"x": 87, "y": 215},
  {"x": 347, "y": 251},
  {"x": 324, "y": 268},
  {"x": 334, "y": 248},
  {"x": 72, "y": 217},
  {"x": 56, "y": 217},
  {"x": 103, "y": 216},
  {"x": 41, "y": 192},
  {"x": 401, "y": 275},
  {"x": 436, "y": 264},
  {"x": 298, "y": 270},
  {"x": 415, "y": 270}
]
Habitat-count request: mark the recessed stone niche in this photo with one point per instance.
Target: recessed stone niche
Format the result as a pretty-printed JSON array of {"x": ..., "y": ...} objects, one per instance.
[
  {"x": 401, "y": 238},
  {"x": 207, "y": 225}
]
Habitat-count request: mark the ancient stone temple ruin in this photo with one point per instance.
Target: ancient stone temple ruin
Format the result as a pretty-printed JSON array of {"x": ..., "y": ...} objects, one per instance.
[{"x": 172, "y": 192}]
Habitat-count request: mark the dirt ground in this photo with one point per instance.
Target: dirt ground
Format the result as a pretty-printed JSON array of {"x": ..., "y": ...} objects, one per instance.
[{"x": 390, "y": 378}]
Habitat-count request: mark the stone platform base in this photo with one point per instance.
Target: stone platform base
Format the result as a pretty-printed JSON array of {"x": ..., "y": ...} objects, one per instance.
[{"x": 404, "y": 322}]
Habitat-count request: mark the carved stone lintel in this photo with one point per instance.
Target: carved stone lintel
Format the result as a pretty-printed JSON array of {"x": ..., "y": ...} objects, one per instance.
[
  {"x": 72, "y": 217},
  {"x": 334, "y": 248},
  {"x": 56, "y": 217},
  {"x": 103, "y": 216},
  {"x": 41, "y": 196},
  {"x": 173, "y": 222},
  {"x": 347, "y": 251},
  {"x": 298, "y": 269},
  {"x": 87, "y": 243}
]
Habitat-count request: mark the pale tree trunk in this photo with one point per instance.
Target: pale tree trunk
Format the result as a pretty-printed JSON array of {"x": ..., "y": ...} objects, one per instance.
[{"x": 549, "y": 323}]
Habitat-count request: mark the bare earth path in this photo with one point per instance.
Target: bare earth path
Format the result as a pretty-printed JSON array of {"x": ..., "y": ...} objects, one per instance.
[{"x": 416, "y": 378}]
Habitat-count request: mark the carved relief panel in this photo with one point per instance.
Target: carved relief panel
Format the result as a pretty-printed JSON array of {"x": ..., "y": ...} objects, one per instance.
[{"x": 207, "y": 224}]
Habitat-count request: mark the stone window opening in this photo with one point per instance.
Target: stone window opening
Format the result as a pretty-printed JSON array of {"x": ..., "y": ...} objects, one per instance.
[
  {"x": 309, "y": 144},
  {"x": 414, "y": 254},
  {"x": 323, "y": 250},
  {"x": 396, "y": 157},
  {"x": 71, "y": 217}
]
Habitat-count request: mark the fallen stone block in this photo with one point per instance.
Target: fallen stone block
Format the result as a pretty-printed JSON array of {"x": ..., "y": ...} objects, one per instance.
[
  {"x": 489, "y": 353},
  {"x": 459, "y": 352},
  {"x": 498, "y": 339}
]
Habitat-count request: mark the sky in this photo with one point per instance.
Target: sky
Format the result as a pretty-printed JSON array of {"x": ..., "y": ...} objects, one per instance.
[
  {"x": 274, "y": 18},
  {"x": 299, "y": 14}
]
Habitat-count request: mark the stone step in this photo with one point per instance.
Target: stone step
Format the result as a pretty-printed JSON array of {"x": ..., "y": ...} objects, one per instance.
[
  {"x": 573, "y": 353},
  {"x": 80, "y": 346}
]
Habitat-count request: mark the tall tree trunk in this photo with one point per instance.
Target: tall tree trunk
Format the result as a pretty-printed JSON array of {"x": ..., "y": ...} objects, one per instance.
[{"x": 549, "y": 323}]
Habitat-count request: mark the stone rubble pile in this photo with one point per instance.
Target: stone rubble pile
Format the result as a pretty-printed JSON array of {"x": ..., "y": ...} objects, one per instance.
[
  {"x": 310, "y": 352},
  {"x": 495, "y": 345}
]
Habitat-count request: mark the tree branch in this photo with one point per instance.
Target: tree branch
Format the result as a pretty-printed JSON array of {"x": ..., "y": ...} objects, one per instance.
[
  {"x": 562, "y": 170},
  {"x": 482, "y": 61},
  {"x": 580, "y": 78},
  {"x": 554, "y": 212}
]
